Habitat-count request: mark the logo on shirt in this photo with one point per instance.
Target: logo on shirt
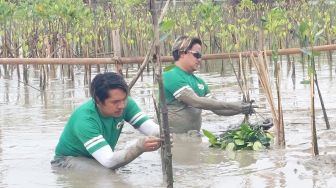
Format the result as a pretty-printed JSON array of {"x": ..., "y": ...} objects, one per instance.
[
  {"x": 200, "y": 86},
  {"x": 120, "y": 124}
]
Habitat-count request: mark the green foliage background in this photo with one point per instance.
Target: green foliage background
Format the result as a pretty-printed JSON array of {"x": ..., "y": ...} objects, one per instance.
[{"x": 71, "y": 28}]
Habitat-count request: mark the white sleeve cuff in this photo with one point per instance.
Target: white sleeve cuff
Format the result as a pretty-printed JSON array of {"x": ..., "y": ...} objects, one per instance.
[
  {"x": 149, "y": 128},
  {"x": 104, "y": 156}
]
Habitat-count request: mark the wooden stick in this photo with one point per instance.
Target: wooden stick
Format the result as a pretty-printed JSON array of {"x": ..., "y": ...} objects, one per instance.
[
  {"x": 142, "y": 67},
  {"x": 312, "y": 112},
  {"x": 166, "y": 145},
  {"x": 138, "y": 60},
  {"x": 321, "y": 100}
]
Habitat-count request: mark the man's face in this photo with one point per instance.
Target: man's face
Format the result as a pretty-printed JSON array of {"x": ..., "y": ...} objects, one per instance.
[
  {"x": 115, "y": 104},
  {"x": 193, "y": 58}
]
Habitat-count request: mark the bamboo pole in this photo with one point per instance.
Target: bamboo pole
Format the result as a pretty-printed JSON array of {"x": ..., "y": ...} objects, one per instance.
[
  {"x": 164, "y": 126},
  {"x": 312, "y": 112},
  {"x": 321, "y": 100},
  {"x": 138, "y": 60},
  {"x": 281, "y": 131},
  {"x": 117, "y": 49}
]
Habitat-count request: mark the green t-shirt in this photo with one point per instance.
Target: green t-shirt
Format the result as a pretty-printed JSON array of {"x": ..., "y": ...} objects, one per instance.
[
  {"x": 87, "y": 130},
  {"x": 176, "y": 79}
]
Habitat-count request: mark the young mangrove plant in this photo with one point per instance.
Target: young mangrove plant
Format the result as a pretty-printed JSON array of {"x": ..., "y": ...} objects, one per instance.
[{"x": 246, "y": 137}]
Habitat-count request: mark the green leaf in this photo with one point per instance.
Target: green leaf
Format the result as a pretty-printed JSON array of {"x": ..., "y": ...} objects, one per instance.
[
  {"x": 239, "y": 142},
  {"x": 230, "y": 147},
  {"x": 244, "y": 127},
  {"x": 251, "y": 134},
  {"x": 303, "y": 27},
  {"x": 68, "y": 37},
  {"x": 318, "y": 34},
  {"x": 167, "y": 25},
  {"x": 257, "y": 146},
  {"x": 208, "y": 134},
  {"x": 212, "y": 138},
  {"x": 269, "y": 135},
  {"x": 214, "y": 142}
]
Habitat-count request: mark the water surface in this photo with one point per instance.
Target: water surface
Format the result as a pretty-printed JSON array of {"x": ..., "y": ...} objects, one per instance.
[{"x": 31, "y": 122}]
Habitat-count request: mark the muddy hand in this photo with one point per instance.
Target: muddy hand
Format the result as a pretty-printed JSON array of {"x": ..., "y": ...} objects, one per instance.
[
  {"x": 152, "y": 143},
  {"x": 248, "y": 108}
]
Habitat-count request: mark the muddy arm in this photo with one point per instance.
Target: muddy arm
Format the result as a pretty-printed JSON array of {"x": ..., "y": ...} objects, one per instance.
[
  {"x": 189, "y": 97},
  {"x": 109, "y": 159}
]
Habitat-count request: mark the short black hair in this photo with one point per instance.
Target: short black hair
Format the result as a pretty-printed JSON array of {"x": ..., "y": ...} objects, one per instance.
[
  {"x": 182, "y": 44},
  {"x": 102, "y": 83}
]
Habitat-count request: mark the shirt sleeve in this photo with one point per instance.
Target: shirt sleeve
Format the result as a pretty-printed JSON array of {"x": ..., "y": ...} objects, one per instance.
[
  {"x": 175, "y": 86},
  {"x": 90, "y": 136},
  {"x": 133, "y": 114}
]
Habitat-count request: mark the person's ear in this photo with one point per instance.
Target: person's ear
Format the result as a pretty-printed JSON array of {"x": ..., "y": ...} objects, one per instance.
[{"x": 98, "y": 101}]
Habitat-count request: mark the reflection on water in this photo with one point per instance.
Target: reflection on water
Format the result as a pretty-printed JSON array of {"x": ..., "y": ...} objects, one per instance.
[{"x": 31, "y": 122}]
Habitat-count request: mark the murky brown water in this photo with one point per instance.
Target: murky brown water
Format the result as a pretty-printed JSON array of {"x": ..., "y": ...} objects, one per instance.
[{"x": 31, "y": 122}]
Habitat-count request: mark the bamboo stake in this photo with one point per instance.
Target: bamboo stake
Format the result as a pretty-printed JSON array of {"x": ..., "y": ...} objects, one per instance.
[
  {"x": 321, "y": 100},
  {"x": 138, "y": 60},
  {"x": 117, "y": 48},
  {"x": 281, "y": 130},
  {"x": 166, "y": 146},
  {"x": 245, "y": 91},
  {"x": 312, "y": 114}
]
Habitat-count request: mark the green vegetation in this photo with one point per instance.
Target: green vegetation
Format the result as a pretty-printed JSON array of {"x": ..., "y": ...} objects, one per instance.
[
  {"x": 246, "y": 137},
  {"x": 75, "y": 29},
  {"x": 69, "y": 28}
]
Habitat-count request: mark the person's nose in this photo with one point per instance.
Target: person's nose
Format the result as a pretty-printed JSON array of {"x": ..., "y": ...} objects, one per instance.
[{"x": 122, "y": 104}]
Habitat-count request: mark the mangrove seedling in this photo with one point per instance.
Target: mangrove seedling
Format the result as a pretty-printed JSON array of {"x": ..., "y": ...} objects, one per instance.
[{"x": 246, "y": 137}]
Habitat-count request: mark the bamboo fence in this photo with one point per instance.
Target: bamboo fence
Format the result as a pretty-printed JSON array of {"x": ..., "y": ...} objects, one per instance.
[{"x": 138, "y": 60}]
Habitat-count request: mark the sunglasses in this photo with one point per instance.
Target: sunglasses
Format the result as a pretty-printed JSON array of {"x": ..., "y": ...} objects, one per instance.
[{"x": 197, "y": 55}]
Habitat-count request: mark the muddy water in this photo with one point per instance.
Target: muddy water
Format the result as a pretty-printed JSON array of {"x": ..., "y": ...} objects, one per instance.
[{"x": 31, "y": 122}]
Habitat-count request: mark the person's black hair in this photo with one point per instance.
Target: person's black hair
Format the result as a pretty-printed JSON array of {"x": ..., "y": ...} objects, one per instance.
[
  {"x": 102, "y": 83},
  {"x": 177, "y": 52}
]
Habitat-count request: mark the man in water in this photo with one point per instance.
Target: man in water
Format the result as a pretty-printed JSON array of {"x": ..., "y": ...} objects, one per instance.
[
  {"x": 93, "y": 129},
  {"x": 187, "y": 94}
]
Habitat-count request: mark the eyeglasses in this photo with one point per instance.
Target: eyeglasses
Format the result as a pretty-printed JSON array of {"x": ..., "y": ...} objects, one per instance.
[{"x": 197, "y": 55}]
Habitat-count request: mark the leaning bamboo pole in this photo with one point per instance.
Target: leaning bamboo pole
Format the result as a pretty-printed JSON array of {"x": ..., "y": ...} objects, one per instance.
[
  {"x": 142, "y": 67},
  {"x": 321, "y": 100},
  {"x": 138, "y": 60}
]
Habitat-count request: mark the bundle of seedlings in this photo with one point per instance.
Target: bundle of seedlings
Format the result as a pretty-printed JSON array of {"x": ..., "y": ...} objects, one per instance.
[{"x": 246, "y": 136}]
